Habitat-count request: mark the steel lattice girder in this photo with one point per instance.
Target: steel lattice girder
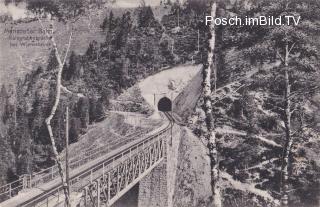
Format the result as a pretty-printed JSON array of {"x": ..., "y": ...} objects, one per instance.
[{"x": 114, "y": 183}]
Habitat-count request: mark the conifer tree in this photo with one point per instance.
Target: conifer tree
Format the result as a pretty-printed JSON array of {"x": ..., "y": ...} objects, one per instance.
[{"x": 288, "y": 67}]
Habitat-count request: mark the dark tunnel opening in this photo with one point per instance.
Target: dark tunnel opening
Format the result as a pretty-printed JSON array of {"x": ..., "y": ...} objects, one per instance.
[{"x": 164, "y": 104}]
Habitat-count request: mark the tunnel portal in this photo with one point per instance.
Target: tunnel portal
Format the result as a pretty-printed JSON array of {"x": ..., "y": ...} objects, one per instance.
[{"x": 164, "y": 104}]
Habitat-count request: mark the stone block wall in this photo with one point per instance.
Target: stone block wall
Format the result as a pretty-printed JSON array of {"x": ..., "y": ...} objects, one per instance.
[{"x": 153, "y": 188}]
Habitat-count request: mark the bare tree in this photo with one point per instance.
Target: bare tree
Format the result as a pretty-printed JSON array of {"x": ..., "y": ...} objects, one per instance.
[
  {"x": 68, "y": 12},
  {"x": 59, "y": 86},
  {"x": 294, "y": 80},
  {"x": 211, "y": 137}
]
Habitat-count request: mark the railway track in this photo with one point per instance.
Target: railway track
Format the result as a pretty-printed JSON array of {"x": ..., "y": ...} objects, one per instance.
[{"x": 44, "y": 198}]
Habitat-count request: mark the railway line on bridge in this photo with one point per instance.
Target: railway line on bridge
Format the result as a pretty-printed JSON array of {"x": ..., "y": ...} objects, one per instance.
[
  {"x": 105, "y": 179},
  {"x": 46, "y": 175}
]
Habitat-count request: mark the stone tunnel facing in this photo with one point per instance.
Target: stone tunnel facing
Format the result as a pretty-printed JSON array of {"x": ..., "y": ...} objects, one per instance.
[{"x": 164, "y": 104}]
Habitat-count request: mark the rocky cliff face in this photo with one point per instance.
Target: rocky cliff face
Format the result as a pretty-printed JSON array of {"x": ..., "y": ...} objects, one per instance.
[
  {"x": 190, "y": 179},
  {"x": 192, "y": 186}
]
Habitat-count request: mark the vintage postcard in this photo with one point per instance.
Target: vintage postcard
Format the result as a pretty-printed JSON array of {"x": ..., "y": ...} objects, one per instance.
[{"x": 160, "y": 103}]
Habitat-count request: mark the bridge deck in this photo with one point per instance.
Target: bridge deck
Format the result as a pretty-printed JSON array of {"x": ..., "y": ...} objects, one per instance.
[{"x": 26, "y": 196}]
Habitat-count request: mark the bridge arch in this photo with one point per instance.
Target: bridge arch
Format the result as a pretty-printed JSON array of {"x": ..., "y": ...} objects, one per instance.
[{"x": 164, "y": 104}]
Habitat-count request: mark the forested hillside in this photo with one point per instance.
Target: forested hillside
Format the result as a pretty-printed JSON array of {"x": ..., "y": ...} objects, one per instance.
[
  {"x": 136, "y": 45},
  {"x": 258, "y": 115},
  {"x": 265, "y": 107}
]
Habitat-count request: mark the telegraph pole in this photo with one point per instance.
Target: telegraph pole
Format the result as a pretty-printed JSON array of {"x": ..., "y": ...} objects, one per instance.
[
  {"x": 172, "y": 46},
  {"x": 178, "y": 17},
  {"x": 67, "y": 150},
  {"x": 198, "y": 40},
  {"x": 172, "y": 124}
]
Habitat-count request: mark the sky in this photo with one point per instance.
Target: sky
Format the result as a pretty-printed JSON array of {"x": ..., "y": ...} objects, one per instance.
[
  {"x": 18, "y": 12},
  {"x": 135, "y": 3}
]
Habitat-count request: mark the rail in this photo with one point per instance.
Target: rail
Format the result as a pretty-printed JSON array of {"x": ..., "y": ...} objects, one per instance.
[
  {"x": 52, "y": 172},
  {"x": 46, "y": 175},
  {"x": 82, "y": 179},
  {"x": 11, "y": 189}
]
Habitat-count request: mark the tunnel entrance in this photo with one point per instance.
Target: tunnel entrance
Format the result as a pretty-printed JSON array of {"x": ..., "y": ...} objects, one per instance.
[{"x": 164, "y": 104}]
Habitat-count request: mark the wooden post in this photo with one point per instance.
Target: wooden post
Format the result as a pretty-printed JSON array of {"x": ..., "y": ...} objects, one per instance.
[
  {"x": 67, "y": 151},
  {"x": 15, "y": 110},
  {"x": 159, "y": 149},
  {"x": 198, "y": 40},
  {"x": 118, "y": 179},
  {"x": 126, "y": 172},
  {"x": 172, "y": 46},
  {"x": 30, "y": 181},
  {"x": 98, "y": 193},
  {"x": 179, "y": 17},
  {"x": 103, "y": 171},
  {"x": 85, "y": 196},
  {"x": 109, "y": 185},
  {"x": 10, "y": 195},
  {"x": 171, "y": 120},
  {"x": 139, "y": 163}
]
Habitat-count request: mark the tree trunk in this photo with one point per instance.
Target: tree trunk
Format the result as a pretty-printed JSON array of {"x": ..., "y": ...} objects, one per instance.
[
  {"x": 52, "y": 113},
  {"x": 289, "y": 141},
  {"x": 212, "y": 142}
]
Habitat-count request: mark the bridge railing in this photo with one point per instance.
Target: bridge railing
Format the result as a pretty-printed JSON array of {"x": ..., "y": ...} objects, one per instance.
[
  {"x": 46, "y": 175},
  {"x": 89, "y": 152},
  {"x": 125, "y": 173},
  {"x": 51, "y": 173},
  {"x": 11, "y": 189},
  {"x": 79, "y": 181}
]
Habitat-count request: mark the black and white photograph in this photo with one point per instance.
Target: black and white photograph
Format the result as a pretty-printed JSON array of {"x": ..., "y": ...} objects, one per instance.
[{"x": 159, "y": 103}]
